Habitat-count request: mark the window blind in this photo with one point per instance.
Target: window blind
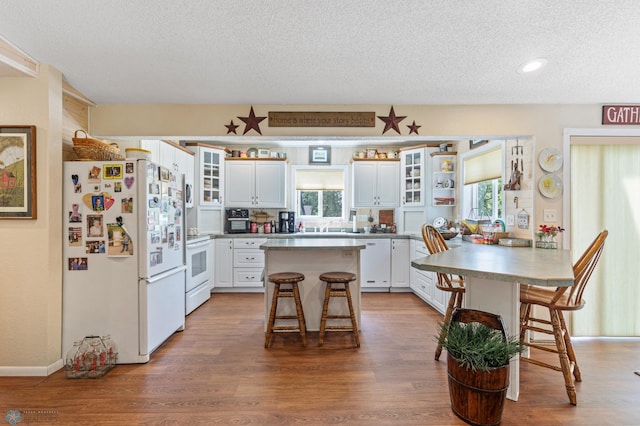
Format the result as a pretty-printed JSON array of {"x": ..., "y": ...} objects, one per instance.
[
  {"x": 314, "y": 180},
  {"x": 483, "y": 167}
]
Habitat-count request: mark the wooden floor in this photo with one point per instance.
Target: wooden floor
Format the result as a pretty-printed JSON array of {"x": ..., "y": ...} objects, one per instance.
[{"x": 218, "y": 372}]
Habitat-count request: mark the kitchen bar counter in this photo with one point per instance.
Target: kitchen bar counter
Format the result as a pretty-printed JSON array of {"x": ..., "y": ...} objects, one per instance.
[
  {"x": 329, "y": 235},
  {"x": 493, "y": 274},
  {"x": 312, "y": 257}
]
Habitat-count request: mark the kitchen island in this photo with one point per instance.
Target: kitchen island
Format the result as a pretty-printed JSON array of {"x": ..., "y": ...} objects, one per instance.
[
  {"x": 493, "y": 274},
  {"x": 312, "y": 257}
]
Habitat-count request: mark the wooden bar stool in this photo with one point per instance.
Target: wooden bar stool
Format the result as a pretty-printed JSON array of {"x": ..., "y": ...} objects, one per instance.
[
  {"x": 290, "y": 279},
  {"x": 337, "y": 285}
]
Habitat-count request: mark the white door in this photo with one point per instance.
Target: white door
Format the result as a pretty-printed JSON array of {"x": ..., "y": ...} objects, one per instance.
[
  {"x": 412, "y": 183},
  {"x": 387, "y": 183},
  {"x": 400, "y": 261},
  {"x": 270, "y": 183},
  {"x": 162, "y": 307},
  {"x": 223, "y": 269},
  {"x": 240, "y": 183},
  {"x": 364, "y": 183}
]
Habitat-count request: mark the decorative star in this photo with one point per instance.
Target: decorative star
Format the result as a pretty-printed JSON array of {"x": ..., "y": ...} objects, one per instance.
[
  {"x": 391, "y": 121},
  {"x": 413, "y": 128},
  {"x": 252, "y": 122},
  {"x": 231, "y": 128}
]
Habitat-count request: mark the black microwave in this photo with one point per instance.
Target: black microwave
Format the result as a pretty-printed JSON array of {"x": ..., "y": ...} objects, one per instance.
[{"x": 237, "y": 221}]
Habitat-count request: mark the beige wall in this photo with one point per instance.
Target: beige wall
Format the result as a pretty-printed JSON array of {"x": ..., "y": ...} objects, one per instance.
[
  {"x": 30, "y": 253},
  {"x": 543, "y": 124}
]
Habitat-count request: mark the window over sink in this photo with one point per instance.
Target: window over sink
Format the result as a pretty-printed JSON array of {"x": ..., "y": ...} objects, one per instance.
[{"x": 320, "y": 192}]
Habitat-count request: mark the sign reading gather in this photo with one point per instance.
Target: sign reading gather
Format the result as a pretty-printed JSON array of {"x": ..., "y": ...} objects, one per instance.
[{"x": 621, "y": 114}]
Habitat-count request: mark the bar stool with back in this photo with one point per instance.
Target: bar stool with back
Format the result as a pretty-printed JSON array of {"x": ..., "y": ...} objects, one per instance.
[
  {"x": 436, "y": 244},
  {"x": 556, "y": 300}
]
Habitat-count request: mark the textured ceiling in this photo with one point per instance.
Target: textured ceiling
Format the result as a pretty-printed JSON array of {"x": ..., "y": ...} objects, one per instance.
[{"x": 334, "y": 51}]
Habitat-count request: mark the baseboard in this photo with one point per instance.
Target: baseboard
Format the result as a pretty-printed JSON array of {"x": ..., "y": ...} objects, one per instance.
[{"x": 32, "y": 370}]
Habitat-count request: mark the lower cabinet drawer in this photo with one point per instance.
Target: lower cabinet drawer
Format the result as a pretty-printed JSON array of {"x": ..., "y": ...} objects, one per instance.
[
  {"x": 248, "y": 258},
  {"x": 247, "y": 277},
  {"x": 422, "y": 284}
]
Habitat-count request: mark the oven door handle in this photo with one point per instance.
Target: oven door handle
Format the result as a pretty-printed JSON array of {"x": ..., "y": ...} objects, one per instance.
[{"x": 197, "y": 245}]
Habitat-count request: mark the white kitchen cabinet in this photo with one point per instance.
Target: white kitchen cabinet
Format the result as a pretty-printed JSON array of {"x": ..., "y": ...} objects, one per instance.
[
  {"x": 208, "y": 182},
  {"x": 152, "y": 145},
  {"x": 256, "y": 183},
  {"x": 375, "y": 183},
  {"x": 399, "y": 265},
  {"x": 423, "y": 283},
  {"x": 171, "y": 155},
  {"x": 412, "y": 175},
  {"x": 248, "y": 262},
  {"x": 223, "y": 269},
  {"x": 209, "y": 174},
  {"x": 375, "y": 264}
]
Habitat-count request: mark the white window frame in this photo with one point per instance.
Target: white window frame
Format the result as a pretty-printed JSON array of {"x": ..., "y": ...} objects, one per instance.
[
  {"x": 319, "y": 220},
  {"x": 469, "y": 192}
]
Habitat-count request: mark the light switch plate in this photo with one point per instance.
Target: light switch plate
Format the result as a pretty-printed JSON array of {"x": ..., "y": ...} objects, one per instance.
[
  {"x": 550, "y": 215},
  {"x": 511, "y": 220}
]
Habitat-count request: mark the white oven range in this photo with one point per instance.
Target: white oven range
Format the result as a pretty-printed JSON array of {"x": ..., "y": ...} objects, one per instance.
[{"x": 199, "y": 272}]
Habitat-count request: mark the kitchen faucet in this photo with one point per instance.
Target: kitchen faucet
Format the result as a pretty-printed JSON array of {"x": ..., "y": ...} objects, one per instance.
[{"x": 325, "y": 227}]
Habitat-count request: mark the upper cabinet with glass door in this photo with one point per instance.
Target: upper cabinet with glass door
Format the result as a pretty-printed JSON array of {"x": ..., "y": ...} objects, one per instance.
[
  {"x": 412, "y": 178},
  {"x": 210, "y": 174}
]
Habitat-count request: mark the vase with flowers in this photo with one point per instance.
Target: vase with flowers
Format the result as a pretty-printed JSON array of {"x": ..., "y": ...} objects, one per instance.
[{"x": 547, "y": 236}]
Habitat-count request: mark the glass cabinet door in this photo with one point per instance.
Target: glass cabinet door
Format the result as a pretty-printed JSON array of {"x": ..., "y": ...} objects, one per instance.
[
  {"x": 412, "y": 178},
  {"x": 211, "y": 178}
]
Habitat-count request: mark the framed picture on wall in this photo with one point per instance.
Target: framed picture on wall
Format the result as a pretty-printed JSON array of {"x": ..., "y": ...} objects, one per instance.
[
  {"x": 319, "y": 155},
  {"x": 17, "y": 172},
  {"x": 477, "y": 143}
]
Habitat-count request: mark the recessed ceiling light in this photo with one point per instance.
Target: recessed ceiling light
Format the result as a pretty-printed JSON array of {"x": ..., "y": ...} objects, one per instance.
[{"x": 532, "y": 65}]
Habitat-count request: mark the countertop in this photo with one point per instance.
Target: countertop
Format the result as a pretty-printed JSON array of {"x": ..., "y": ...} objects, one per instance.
[
  {"x": 323, "y": 235},
  {"x": 312, "y": 243},
  {"x": 526, "y": 265}
]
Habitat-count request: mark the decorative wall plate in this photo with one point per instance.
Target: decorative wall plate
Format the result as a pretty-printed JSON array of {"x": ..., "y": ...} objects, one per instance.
[
  {"x": 550, "y": 186},
  {"x": 439, "y": 222},
  {"x": 550, "y": 160}
]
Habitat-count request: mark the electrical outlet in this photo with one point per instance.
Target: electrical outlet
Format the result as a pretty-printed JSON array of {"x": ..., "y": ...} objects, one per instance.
[
  {"x": 511, "y": 220},
  {"x": 550, "y": 215}
]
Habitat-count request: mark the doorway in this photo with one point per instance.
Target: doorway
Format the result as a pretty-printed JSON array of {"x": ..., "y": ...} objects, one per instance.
[{"x": 604, "y": 180}]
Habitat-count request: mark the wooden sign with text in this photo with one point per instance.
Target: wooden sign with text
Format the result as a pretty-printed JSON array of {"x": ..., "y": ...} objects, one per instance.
[
  {"x": 621, "y": 114},
  {"x": 321, "y": 119}
]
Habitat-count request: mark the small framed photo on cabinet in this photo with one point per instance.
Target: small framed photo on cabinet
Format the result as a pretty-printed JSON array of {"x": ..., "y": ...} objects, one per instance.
[{"x": 319, "y": 155}]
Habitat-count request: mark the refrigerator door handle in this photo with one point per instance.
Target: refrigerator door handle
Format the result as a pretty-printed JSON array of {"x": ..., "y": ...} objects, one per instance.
[{"x": 164, "y": 275}]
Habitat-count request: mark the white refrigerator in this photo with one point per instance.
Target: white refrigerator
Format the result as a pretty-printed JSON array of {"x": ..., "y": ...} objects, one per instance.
[{"x": 124, "y": 254}]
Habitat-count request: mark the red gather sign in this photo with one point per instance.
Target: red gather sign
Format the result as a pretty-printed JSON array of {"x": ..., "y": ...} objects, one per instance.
[{"x": 621, "y": 114}]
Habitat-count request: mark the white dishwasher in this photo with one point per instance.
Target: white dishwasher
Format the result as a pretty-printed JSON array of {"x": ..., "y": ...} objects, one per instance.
[{"x": 375, "y": 264}]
